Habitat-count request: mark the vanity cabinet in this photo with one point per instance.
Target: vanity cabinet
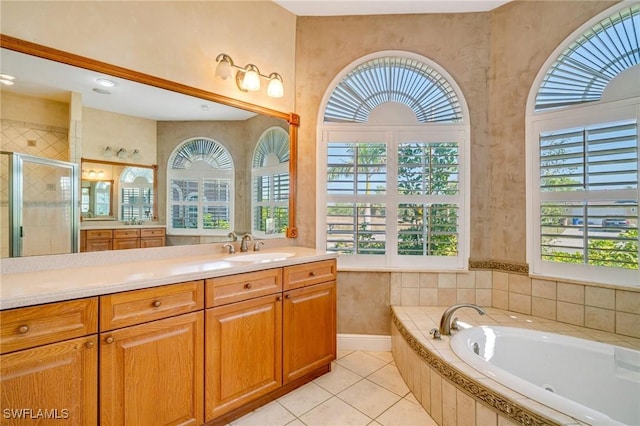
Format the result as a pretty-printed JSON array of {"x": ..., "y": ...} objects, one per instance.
[
  {"x": 127, "y": 238},
  {"x": 49, "y": 363},
  {"x": 121, "y": 238},
  {"x": 261, "y": 338},
  {"x": 151, "y": 356},
  {"x": 177, "y": 354},
  {"x": 98, "y": 239}
]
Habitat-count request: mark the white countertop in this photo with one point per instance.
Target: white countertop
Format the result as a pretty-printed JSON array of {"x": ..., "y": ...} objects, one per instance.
[
  {"x": 46, "y": 279},
  {"x": 89, "y": 225}
]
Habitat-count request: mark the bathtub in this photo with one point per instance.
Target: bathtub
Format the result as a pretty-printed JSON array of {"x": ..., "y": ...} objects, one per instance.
[{"x": 596, "y": 383}]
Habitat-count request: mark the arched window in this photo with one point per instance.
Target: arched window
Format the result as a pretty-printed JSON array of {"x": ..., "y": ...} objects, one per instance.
[
  {"x": 200, "y": 189},
  {"x": 582, "y": 136},
  {"x": 136, "y": 194},
  {"x": 270, "y": 184},
  {"x": 393, "y": 165}
]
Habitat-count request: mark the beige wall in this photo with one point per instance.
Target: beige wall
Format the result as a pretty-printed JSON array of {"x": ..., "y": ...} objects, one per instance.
[{"x": 103, "y": 128}]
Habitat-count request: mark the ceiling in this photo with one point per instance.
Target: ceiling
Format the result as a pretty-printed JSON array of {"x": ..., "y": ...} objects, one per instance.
[
  {"x": 42, "y": 78},
  {"x": 385, "y": 7}
]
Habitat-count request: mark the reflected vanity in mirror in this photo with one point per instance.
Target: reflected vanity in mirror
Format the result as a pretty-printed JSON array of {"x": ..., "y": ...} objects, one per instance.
[
  {"x": 118, "y": 191},
  {"x": 174, "y": 113}
]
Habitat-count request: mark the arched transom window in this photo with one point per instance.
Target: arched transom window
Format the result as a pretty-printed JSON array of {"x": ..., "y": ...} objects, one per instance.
[
  {"x": 136, "y": 194},
  {"x": 200, "y": 189},
  {"x": 270, "y": 184},
  {"x": 583, "y": 155},
  {"x": 393, "y": 165}
]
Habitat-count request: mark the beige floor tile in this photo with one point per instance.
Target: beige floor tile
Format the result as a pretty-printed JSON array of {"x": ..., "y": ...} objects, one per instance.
[
  {"x": 342, "y": 354},
  {"x": 272, "y": 414},
  {"x": 405, "y": 413},
  {"x": 411, "y": 398},
  {"x": 335, "y": 412},
  {"x": 369, "y": 398},
  {"x": 296, "y": 422},
  {"x": 338, "y": 379},
  {"x": 389, "y": 378},
  {"x": 361, "y": 363},
  {"x": 304, "y": 398},
  {"x": 384, "y": 356}
]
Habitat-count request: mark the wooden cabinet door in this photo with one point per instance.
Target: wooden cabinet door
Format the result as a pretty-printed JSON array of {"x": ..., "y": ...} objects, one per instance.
[
  {"x": 99, "y": 245},
  {"x": 55, "y": 384},
  {"x": 243, "y": 353},
  {"x": 309, "y": 337},
  {"x": 152, "y": 374}
]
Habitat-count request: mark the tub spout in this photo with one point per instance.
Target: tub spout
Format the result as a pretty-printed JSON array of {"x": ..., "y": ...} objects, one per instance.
[{"x": 445, "y": 321}]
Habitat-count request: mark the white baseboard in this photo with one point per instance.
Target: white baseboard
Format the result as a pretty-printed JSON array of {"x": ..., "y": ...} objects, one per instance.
[{"x": 364, "y": 342}]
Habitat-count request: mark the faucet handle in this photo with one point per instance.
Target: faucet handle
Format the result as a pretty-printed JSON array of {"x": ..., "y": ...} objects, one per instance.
[
  {"x": 435, "y": 333},
  {"x": 230, "y": 247},
  {"x": 454, "y": 324},
  {"x": 256, "y": 246}
]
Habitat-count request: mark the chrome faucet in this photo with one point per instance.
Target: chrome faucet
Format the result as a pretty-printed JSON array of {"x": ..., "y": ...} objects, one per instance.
[
  {"x": 243, "y": 244},
  {"x": 445, "y": 321},
  {"x": 230, "y": 248}
]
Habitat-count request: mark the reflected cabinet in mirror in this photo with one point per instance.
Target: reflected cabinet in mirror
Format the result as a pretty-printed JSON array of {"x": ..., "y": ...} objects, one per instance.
[
  {"x": 224, "y": 167},
  {"x": 117, "y": 191}
]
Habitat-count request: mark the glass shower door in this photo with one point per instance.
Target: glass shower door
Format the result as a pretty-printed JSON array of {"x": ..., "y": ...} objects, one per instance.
[{"x": 44, "y": 207}]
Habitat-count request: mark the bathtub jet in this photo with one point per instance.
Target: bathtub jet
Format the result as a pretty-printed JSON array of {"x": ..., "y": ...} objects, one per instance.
[{"x": 596, "y": 383}]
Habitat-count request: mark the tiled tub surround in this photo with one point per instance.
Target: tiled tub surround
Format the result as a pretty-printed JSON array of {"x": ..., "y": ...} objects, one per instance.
[
  {"x": 600, "y": 307},
  {"x": 454, "y": 393}
]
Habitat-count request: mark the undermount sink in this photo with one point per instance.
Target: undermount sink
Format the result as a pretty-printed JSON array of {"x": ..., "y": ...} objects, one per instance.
[{"x": 259, "y": 257}]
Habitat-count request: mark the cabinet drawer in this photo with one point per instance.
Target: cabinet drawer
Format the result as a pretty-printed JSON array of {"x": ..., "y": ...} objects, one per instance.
[
  {"x": 152, "y": 232},
  {"x": 93, "y": 234},
  {"x": 297, "y": 276},
  {"x": 235, "y": 288},
  {"x": 138, "y": 306},
  {"x": 23, "y": 328},
  {"x": 126, "y": 233}
]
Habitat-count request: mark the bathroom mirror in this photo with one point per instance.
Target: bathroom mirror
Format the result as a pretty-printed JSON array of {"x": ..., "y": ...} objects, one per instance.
[
  {"x": 118, "y": 191},
  {"x": 214, "y": 107}
]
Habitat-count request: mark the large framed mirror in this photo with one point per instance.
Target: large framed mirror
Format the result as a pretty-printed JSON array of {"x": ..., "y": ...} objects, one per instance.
[{"x": 181, "y": 112}]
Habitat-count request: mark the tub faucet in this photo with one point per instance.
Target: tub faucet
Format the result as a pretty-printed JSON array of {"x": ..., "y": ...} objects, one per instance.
[
  {"x": 445, "y": 321},
  {"x": 243, "y": 244}
]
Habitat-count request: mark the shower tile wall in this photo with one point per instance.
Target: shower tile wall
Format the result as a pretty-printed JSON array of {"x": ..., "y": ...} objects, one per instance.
[{"x": 33, "y": 139}]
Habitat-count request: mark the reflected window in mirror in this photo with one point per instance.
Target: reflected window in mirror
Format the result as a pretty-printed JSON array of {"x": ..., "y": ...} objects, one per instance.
[
  {"x": 270, "y": 184},
  {"x": 136, "y": 194},
  {"x": 200, "y": 189},
  {"x": 96, "y": 199}
]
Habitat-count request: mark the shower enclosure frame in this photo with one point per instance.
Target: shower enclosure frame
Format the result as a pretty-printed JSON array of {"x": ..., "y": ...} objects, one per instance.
[{"x": 16, "y": 197}]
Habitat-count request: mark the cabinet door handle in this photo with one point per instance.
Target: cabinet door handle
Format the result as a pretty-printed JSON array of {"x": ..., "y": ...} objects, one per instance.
[
  {"x": 279, "y": 298},
  {"x": 288, "y": 296},
  {"x": 108, "y": 340},
  {"x": 312, "y": 274},
  {"x": 157, "y": 304},
  {"x": 88, "y": 345},
  {"x": 23, "y": 329},
  {"x": 248, "y": 286}
]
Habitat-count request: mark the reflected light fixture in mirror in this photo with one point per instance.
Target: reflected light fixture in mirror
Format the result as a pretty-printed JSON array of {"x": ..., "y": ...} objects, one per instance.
[{"x": 248, "y": 77}]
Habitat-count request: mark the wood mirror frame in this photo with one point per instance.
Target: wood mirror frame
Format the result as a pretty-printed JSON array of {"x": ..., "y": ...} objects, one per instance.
[{"x": 293, "y": 119}]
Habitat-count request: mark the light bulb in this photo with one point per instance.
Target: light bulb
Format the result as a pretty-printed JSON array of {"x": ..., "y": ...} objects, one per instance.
[
  {"x": 251, "y": 79},
  {"x": 275, "y": 89}
]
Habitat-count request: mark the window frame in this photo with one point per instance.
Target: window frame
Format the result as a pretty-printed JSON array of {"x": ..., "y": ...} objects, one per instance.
[
  {"x": 393, "y": 136},
  {"x": 577, "y": 116},
  {"x": 200, "y": 175}
]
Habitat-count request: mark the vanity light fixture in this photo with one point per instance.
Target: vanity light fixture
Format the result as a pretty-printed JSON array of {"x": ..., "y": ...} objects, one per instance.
[
  {"x": 108, "y": 151},
  {"x": 248, "y": 77},
  {"x": 122, "y": 153}
]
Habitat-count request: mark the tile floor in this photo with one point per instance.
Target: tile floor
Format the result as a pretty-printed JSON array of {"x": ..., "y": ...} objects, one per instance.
[{"x": 363, "y": 388}]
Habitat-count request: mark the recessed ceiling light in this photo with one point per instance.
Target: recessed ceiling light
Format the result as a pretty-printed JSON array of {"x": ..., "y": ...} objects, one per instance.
[
  {"x": 7, "y": 79},
  {"x": 204, "y": 107},
  {"x": 101, "y": 91},
  {"x": 105, "y": 82}
]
